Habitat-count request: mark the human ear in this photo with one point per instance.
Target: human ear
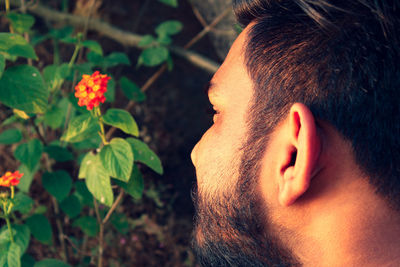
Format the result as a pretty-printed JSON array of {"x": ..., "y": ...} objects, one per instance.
[{"x": 300, "y": 153}]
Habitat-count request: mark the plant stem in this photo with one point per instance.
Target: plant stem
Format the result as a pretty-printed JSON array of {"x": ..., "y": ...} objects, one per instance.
[
  {"x": 74, "y": 55},
  {"x": 9, "y": 229},
  {"x": 7, "y": 11},
  {"x": 101, "y": 233},
  {"x": 102, "y": 133}
]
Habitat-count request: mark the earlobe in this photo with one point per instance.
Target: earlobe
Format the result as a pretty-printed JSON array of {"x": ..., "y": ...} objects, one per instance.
[{"x": 301, "y": 153}]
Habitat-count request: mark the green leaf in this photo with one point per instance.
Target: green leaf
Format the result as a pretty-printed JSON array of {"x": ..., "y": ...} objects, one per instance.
[
  {"x": 169, "y": 27},
  {"x": 173, "y": 3},
  {"x": 15, "y": 45},
  {"x": 97, "y": 180},
  {"x": 54, "y": 117},
  {"x": 40, "y": 228},
  {"x": 29, "y": 153},
  {"x": 131, "y": 90},
  {"x": 164, "y": 39},
  {"x": 135, "y": 185},
  {"x": 94, "y": 58},
  {"x": 121, "y": 119},
  {"x": 14, "y": 256},
  {"x": 71, "y": 206},
  {"x": 93, "y": 46},
  {"x": 120, "y": 223},
  {"x": 22, "y": 203},
  {"x": 26, "y": 180},
  {"x": 110, "y": 93},
  {"x": 80, "y": 128},
  {"x": 144, "y": 154},
  {"x": 21, "y": 22},
  {"x": 146, "y": 40},
  {"x": 54, "y": 75},
  {"x": 153, "y": 56},
  {"x": 83, "y": 193},
  {"x": 27, "y": 260},
  {"x": 2, "y": 64},
  {"x": 10, "y": 136},
  {"x": 58, "y": 153},
  {"x": 51, "y": 263},
  {"x": 62, "y": 32},
  {"x": 57, "y": 183},
  {"x": 117, "y": 159},
  {"x": 22, "y": 87},
  {"x": 116, "y": 58},
  {"x": 88, "y": 225},
  {"x": 22, "y": 236}
]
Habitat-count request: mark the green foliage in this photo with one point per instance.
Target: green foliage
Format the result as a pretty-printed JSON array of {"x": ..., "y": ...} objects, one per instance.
[
  {"x": 88, "y": 225},
  {"x": 96, "y": 178},
  {"x": 22, "y": 87},
  {"x": 117, "y": 159},
  {"x": 10, "y": 136},
  {"x": 51, "y": 263},
  {"x": 145, "y": 155},
  {"x": 14, "y": 45},
  {"x": 21, "y": 22},
  {"x": 29, "y": 153},
  {"x": 40, "y": 228},
  {"x": 58, "y": 153},
  {"x": 121, "y": 119},
  {"x": 135, "y": 185},
  {"x": 80, "y": 128},
  {"x": 57, "y": 183},
  {"x": 71, "y": 206},
  {"x": 153, "y": 56},
  {"x": 23, "y": 203},
  {"x": 173, "y": 3},
  {"x": 131, "y": 90}
]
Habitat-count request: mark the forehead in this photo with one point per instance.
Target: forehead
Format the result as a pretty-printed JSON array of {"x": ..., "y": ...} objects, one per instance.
[{"x": 232, "y": 76}]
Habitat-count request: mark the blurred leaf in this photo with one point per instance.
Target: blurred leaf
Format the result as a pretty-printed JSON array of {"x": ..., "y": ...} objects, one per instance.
[
  {"x": 117, "y": 159},
  {"x": 94, "y": 58},
  {"x": 173, "y": 3},
  {"x": 22, "y": 87},
  {"x": 57, "y": 183},
  {"x": 58, "y": 153},
  {"x": 120, "y": 223},
  {"x": 83, "y": 193},
  {"x": 144, "y": 154},
  {"x": 135, "y": 185},
  {"x": 121, "y": 119},
  {"x": 110, "y": 93},
  {"x": 114, "y": 59},
  {"x": 22, "y": 236},
  {"x": 54, "y": 75},
  {"x": 40, "y": 228},
  {"x": 29, "y": 153},
  {"x": 54, "y": 117},
  {"x": 169, "y": 27},
  {"x": 164, "y": 39},
  {"x": 15, "y": 45},
  {"x": 22, "y": 203},
  {"x": 14, "y": 256},
  {"x": 21, "y": 22},
  {"x": 10, "y": 136},
  {"x": 91, "y": 143},
  {"x": 27, "y": 260},
  {"x": 51, "y": 263},
  {"x": 26, "y": 180},
  {"x": 21, "y": 114},
  {"x": 88, "y": 225},
  {"x": 80, "y": 128},
  {"x": 71, "y": 206},
  {"x": 146, "y": 40},
  {"x": 93, "y": 46},
  {"x": 153, "y": 56},
  {"x": 131, "y": 90},
  {"x": 97, "y": 180},
  {"x": 2, "y": 64},
  {"x": 61, "y": 33}
]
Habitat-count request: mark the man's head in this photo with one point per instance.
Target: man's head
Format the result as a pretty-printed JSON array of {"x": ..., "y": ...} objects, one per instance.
[{"x": 306, "y": 131}]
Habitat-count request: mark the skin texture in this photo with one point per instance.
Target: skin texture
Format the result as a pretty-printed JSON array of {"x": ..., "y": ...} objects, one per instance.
[{"x": 310, "y": 204}]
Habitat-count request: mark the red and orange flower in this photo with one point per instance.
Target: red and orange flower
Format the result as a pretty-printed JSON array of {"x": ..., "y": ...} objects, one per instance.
[
  {"x": 10, "y": 179},
  {"x": 90, "y": 90}
]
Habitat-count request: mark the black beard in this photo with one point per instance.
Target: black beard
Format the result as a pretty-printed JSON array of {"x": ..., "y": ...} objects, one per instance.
[{"x": 233, "y": 229}]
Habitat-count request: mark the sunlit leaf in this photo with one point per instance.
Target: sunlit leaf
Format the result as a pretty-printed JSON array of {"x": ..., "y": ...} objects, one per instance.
[
  {"x": 144, "y": 154},
  {"x": 135, "y": 185},
  {"x": 121, "y": 119},
  {"x": 117, "y": 159},
  {"x": 21, "y": 22},
  {"x": 80, "y": 128}
]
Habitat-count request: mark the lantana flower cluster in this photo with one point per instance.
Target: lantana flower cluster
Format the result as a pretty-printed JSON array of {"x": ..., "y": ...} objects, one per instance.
[
  {"x": 10, "y": 179},
  {"x": 90, "y": 90}
]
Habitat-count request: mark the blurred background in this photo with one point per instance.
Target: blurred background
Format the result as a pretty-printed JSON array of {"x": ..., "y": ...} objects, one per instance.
[{"x": 155, "y": 230}]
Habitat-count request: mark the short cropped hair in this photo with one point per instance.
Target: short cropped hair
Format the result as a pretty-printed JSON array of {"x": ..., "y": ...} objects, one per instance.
[{"x": 339, "y": 58}]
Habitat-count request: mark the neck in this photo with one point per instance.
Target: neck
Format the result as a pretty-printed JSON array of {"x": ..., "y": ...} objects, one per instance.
[{"x": 356, "y": 229}]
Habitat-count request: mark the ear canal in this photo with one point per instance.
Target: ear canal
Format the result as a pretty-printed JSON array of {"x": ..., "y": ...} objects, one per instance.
[{"x": 293, "y": 158}]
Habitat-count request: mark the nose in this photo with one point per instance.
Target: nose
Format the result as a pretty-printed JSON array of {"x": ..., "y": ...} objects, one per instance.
[{"x": 193, "y": 154}]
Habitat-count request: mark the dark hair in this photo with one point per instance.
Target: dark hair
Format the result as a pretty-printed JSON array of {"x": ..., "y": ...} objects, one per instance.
[{"x": 342, "y": 60}]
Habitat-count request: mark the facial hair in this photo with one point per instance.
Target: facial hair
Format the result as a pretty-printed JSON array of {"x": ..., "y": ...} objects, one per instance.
[{"x": 232, "y": 229}]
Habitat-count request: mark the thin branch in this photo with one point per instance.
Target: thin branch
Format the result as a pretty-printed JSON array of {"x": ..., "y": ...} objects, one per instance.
[
  {"x": 124, "y": 37},
  {"x": 114, "y": 206}
]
